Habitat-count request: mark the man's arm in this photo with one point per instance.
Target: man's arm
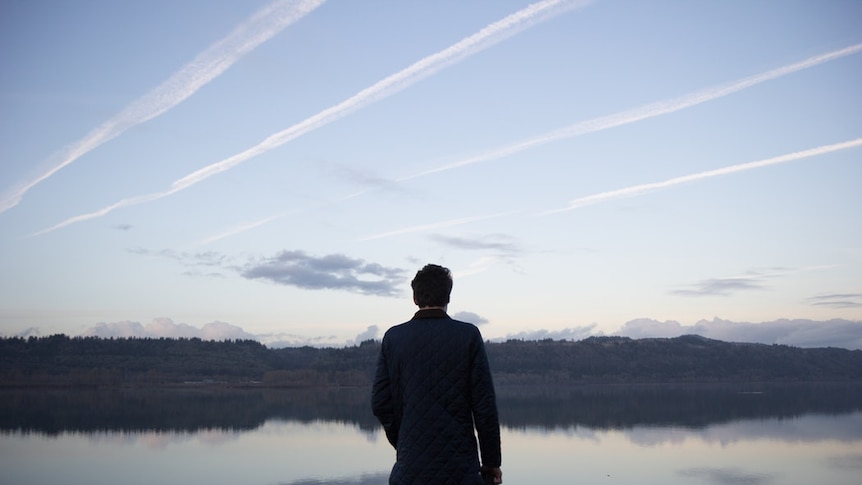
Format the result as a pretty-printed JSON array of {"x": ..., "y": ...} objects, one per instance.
[
  {"x": 382, "y": 404},
  {"x": 484, "y": 402}
]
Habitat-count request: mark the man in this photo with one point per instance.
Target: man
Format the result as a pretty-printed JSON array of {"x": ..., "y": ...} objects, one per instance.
[{"x": 432, "y": 384}]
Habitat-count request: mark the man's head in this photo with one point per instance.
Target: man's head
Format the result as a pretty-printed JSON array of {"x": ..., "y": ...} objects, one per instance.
[{"x": 432, "y": 286}]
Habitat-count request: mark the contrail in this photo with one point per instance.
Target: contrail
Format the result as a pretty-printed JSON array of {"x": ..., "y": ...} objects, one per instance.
[
  {"x": 238, "y": 229},
  {"x": 636, "y": 190},
  {"x": 243, "y": 228},
  {"x": 208, "y": 65},
  {"x": 644, "y": 112},
  {"x": 435, "y": 225},
  {"x": 421, "y": 69}
]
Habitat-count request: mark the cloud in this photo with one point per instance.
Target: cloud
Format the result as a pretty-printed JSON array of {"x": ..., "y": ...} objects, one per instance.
[
  {"x": 293, "y": 268},
  {"x": 470, "y": 317},
  {"x": 751, "y": 280},
  {"x": 165, "y": 327},
  {"x": 284, "y": 339},
  {"x": 208, "y": 65},
  {"x": 838, "y": 333},
  {"x": 721, "y": 286},
  {"x": 648, "y": 328},
  {"x": 576, "y": 333},
  {"x": 798, "y": 333},
  {"x": 837, "y": 300},
  {"x": 495, "y": 249},
  {"x": 331, "y": 272},
  {"x": 637, "y": 190},
  {"x": 642, "y": 113},
  {"x": 29, "y": 332},
  {"x": 201, "y": 263},
  {"x": 484, "y": 38},
  {"x": 494, "y": 242},
  {"x": 370, "y": 333}
]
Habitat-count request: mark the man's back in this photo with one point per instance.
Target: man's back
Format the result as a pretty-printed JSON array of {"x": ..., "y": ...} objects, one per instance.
[{"x": 432, "y": 383}]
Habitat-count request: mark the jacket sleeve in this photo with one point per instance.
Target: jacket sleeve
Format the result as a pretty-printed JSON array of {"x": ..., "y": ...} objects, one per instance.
[
  {"x": 484, "y": 403},
  {"x": 382, "y": 400}
]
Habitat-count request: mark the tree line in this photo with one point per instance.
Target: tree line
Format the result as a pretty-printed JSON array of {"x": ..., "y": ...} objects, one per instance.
[{"x": 63, "y": 361}]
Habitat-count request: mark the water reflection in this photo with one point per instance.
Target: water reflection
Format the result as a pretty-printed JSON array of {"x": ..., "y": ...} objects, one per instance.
[
  {"x": 668, "y": 435},
  {"x": 188, "y": 409},
  {"x": 372, "y": 479},
  {"x": 726, "y": 476},
  {"x": 600, "y": 407}
]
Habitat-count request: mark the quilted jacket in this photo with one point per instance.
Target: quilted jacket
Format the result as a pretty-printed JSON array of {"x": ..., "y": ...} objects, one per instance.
[{"x": 432, "y": 384}]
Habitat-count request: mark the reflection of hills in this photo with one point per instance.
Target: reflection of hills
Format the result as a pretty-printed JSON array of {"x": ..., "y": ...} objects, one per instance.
[
  {"x": 189, "y": 410},
  {"x": 52, "y": 412},
  {"x": 695, "y": 406}
]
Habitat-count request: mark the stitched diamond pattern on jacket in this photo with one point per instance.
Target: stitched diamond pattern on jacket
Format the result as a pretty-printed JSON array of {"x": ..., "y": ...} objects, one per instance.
[{"x": 431, "y": 364}]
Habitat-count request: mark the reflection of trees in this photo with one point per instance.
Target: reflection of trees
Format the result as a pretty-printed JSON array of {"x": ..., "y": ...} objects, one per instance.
[
  {"x": 695, "y": 406},
  {"x": 57, "y": 411},
  {"x": 372, "y": 479},
  {"x": 604, "y": 407}
]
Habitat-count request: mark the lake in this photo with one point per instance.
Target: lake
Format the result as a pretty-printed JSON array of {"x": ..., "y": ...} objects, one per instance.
[{"x": 749, "y": 434}]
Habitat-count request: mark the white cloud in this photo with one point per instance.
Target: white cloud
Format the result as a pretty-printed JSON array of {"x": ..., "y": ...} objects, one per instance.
[
  {"x": 332, "y": 272},
  {"x": 647, "y": 328},
  {"x": 575, "y": 333},
  {"x": 797, "y": 333},
  {"x": 470, "y": 317},
  {"x": 370, "y": 333},
  {"x": 165, "y": 327}
]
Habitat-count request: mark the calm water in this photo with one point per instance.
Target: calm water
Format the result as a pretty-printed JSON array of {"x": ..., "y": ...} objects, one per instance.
[{"x": 663, "y": 435}]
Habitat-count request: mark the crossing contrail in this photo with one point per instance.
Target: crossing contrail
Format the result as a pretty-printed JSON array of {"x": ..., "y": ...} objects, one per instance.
[
  {"x": 636, "y": 190},
  {"x": 208, "y": 65},
  {"x": 641, "y": 113},
  {"x": 484, "y": 38}
]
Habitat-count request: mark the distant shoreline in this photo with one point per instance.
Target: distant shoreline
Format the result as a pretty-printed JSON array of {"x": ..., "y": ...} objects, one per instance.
[{"x": 88, "y": 362}]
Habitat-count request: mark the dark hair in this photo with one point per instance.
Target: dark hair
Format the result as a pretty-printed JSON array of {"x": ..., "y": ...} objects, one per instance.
[{"x": 432, "y": 286}]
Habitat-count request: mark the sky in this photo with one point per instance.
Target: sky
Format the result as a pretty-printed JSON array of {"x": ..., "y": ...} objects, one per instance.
[{"x": 280, "y": 170}]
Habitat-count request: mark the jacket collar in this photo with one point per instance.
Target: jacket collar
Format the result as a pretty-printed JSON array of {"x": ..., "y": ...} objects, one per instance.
[{"x": 430, "y": 313}]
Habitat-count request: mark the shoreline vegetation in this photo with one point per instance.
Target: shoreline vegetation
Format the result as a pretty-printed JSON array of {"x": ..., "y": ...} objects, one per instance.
[{"x": 93, "y": 362}]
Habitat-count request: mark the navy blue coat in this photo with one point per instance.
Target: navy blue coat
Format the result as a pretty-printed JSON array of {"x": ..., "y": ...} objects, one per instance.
[{"x": 432, "y": 384}]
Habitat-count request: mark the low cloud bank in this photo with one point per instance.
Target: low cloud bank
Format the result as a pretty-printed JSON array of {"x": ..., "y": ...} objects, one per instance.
[
  {"x": 470, "y": 317},
  {"x": 165, "y": 327},
  {"x": 798, "y": 333}
]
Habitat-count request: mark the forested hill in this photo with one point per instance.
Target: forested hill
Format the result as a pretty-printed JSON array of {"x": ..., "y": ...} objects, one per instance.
[{"x": 59, "y": 360}]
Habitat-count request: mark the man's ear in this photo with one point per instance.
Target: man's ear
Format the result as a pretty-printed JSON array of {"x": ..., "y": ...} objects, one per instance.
[{"x": 414, "y": 300}]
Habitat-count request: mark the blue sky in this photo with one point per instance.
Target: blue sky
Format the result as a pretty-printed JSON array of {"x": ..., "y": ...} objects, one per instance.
[{"x": 281, "y": 169}]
